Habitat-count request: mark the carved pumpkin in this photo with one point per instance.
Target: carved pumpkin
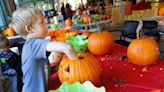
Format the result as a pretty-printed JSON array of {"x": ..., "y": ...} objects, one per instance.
[
  {"x": 143, "y": 51},
  {"x": 161, "y": 11},
  {"x": 100, "y": 43},
  {"x": 68, "y": 22},
  {"x": 10, "y": 32},
  {"x": 85, "y": 68}
]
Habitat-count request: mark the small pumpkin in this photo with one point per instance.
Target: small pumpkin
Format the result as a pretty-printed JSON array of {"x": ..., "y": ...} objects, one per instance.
[
  {"x": 143, "y": 51},
  {"x": 157, "y": 90},
  {"x": 161, "y": 11},
  {"x": 100, "y": 43},
  {"x": 10, "y": 32},
  {"x": 86, "y": 18},
  {"x": 68, "y": 22},
  {"x": 4, "y": 32},
  {"x": 85, "y": 68}
]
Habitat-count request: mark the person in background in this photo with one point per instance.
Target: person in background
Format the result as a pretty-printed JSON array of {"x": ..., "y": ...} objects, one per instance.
[
  {"x": 77, "y": 14},
  {"x": 30, "y": 24},
  {"x": 10, "y": 68},
  {"x": 68, "y": 11},
  {"x": 63, "y": 10}
]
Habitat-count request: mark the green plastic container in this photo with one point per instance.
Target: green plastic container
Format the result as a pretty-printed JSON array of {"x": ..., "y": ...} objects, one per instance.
[{"x": 77, "y": 87}]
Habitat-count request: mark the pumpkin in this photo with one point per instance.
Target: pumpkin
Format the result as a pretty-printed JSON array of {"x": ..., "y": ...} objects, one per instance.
[
  {"x": 4, "y": 32},
  {"x": 86, "y": 33},
  {"x": 52, "y": 21},
  {"x": 161, "y": 11},
  {"x": 143, "y": 51},
  {"x": 61, "y": 39},
  {"x": 100, "y": 43},
  {"x": 86, "y": 67},
  {"x": 68, "y": 22},
  {"x": 157, "y": 90},
  {"x": 10, "y": 32},
  {"x": 86, "y": 18}
]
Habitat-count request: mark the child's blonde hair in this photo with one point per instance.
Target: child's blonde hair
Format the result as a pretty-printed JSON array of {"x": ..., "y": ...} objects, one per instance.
[{"x": 22, "y": 17}]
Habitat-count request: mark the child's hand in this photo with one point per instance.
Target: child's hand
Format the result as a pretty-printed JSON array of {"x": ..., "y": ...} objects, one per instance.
[
  {"x": 54, "y": 57},
  {"x": 62, "y": 47},
  {"x": 70, "y": 52}
]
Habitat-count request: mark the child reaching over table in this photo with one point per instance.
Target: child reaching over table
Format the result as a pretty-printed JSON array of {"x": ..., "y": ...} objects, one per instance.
[{"x": 30, "y": 24}]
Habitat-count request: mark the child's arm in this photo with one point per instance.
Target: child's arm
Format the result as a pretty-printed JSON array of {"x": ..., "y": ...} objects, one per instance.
[{"x": 62, "y": 47}]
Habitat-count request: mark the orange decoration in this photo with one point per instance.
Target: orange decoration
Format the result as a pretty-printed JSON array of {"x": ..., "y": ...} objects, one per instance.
[
  {"x": 161, "y": 11},
  {"x": 143, "y": 51},
  {"x": 157, "y": 90},
  {"x": 68, "y": 22},
  {"x": 10, "y": 32},
  {"x": 61, "y": 39},
  {"x": 100, "y": 43},
  {"x": 85, "y": 68},
  {"x": 62, "y": 33}
]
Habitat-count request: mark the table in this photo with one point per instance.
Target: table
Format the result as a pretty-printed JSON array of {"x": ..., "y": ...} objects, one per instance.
[
  {"x": 122, "y": 76},
  {"x": 94, "y": 26}
]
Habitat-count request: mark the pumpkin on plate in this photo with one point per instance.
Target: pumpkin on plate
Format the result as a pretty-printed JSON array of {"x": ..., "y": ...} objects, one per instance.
[
  {"x": 10, "y": 32},
  {"x": 86, "y": 67},
  {"x": 4, "y": 32},
  {"x": 100, "y": 43},
  {"x": 86, "y": 18},
  {"x": 143, "y": 51},
  {"x": 68, "y": 22}
]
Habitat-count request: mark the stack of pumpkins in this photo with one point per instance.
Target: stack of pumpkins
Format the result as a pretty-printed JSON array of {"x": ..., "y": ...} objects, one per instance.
[{"x": 62, "y": 33}]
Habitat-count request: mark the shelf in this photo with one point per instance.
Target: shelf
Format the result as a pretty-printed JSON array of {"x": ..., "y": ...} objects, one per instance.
[
  {"x": 95, "y": 23},
  {"x": 14, "y": 37}
]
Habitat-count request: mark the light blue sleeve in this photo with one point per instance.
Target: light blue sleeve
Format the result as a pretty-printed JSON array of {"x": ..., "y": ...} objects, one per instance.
[{"x": 39, "y": 48}]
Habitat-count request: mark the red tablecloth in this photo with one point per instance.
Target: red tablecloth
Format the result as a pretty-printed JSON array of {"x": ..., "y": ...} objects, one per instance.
[{"x": 119, "y": 75}]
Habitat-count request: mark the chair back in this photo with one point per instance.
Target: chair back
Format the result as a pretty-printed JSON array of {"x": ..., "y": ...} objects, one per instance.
[
  {"x": 129, "y": 29},
  {"x": 150, "y": 28}
]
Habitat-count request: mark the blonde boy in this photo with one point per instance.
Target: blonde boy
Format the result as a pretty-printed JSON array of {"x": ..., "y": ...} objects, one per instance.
[{"x": 30, "y": 24}]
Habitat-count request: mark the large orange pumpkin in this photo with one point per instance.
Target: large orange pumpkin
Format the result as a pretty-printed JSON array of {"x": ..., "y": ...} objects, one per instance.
[
  {"x": 100, "y": 43},
  {"x": 85, "y": 68},
  {"x": 161, "y": 11},
  {"x": 143, "y": 51},
  {"x": 68, "y": 22}
]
